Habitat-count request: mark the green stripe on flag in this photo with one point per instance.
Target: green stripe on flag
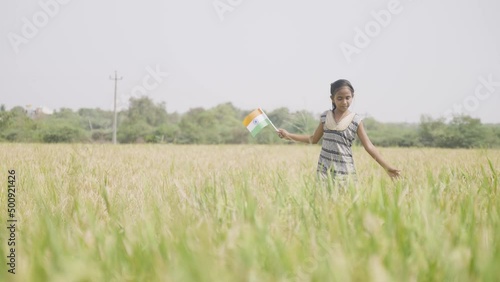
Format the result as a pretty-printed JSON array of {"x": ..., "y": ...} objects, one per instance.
[{"x": 259, "y": 127}]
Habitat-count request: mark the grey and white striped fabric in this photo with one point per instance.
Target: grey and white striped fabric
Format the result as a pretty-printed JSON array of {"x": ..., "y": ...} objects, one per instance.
[{"x": 336, "y": 153}]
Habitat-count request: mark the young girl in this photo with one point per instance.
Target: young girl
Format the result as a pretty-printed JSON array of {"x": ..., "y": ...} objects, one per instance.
[{"x": 339, "y": 127}]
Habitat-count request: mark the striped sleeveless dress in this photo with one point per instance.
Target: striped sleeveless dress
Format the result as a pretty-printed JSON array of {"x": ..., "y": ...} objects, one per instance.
[{"x": 336, "y": 158}]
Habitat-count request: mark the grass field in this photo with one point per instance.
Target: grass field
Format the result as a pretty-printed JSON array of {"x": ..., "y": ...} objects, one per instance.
[{"x": 248, "y": 213}]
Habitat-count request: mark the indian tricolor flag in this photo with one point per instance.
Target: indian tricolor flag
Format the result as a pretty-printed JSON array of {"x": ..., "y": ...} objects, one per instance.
[{"x": 256, "y": 121}]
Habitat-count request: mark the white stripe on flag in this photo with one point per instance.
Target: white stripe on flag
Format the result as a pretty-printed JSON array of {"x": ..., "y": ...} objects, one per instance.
[{"x": 258, "y": 119}]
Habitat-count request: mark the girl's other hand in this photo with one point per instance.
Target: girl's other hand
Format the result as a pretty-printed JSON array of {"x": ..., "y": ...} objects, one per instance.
[{"x": 393, "y": 172}]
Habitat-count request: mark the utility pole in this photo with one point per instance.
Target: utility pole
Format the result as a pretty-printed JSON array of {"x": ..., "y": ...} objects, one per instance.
[{"x": 114, "y": 105}]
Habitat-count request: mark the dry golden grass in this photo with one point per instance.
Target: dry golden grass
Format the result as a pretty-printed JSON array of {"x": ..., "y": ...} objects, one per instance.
[{"x": 249, "y": 213}]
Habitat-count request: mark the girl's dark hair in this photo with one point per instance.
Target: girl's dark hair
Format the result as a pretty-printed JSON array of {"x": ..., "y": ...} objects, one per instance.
[{"x": 334, "y": 87}]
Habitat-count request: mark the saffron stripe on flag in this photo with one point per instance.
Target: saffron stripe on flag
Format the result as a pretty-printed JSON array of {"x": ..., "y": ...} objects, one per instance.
[
  {"x": 251, "y": 116},
  {"x": 256, "y": 121}
]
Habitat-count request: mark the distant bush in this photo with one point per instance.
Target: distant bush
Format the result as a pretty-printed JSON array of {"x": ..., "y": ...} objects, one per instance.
[
  {"x": 147, "y": 122},
  {"x": 62, "y": 134}
]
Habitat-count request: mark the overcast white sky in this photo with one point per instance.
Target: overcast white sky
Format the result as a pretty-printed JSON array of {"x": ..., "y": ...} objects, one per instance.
[{"x": 430, "y": 57}]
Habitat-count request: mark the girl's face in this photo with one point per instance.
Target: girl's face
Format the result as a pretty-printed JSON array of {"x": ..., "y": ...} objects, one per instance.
[{"x": 342, "y": 98}]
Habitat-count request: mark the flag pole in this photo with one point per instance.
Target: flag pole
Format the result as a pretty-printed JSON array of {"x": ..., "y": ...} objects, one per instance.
[{"x": 268, "y": 119}]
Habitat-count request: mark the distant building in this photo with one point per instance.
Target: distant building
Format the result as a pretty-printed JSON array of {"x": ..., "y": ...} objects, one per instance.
[{"x": 38, "y": 112}]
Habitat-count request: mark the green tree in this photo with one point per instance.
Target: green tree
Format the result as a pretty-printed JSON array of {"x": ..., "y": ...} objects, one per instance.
[
  {"x": 62, "y": 132},
  {"x": 460, "y": 132},
  {"x": 18, "y": 127},
  {"x": 492, "y": 135},
  {"x": 141, "y": 121},
  {"x": 198, "y": 126},
  {"x": 391, "y": 134},
  {"x": 465, "y": 132},
  {"x": 144, "y": 109},
  {"x": 64, "y": 126},
  {"x": 279, "y": 117},
  {"x": 5, "y": 120},
  {"x": 134, "y": 131},
  {"x": 432, "y": 133},
  {"x": 98, "y": 122},
  {"x": 229, "y": 124}
]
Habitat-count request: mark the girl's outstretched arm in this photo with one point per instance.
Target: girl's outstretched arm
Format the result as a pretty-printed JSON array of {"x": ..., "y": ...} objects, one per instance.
[
  {"x": 372, "y": 150},
  {"x": 311, "y": 139}
]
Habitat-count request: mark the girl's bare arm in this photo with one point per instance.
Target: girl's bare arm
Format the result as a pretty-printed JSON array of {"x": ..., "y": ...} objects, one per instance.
[
  {"x": 372, "y": 150},
  {"x": 311, "y": 139}
]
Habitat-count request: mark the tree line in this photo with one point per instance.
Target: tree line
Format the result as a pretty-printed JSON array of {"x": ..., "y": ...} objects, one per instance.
[{"x": 148, "y": 122}]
